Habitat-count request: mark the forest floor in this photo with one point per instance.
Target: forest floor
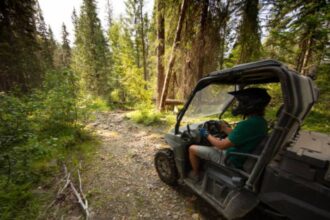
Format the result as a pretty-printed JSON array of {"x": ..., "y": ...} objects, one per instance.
[{"x": 120, "y": 180}]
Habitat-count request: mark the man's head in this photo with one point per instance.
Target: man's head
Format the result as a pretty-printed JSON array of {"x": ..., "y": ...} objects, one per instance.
[{"x": 250, "y": 101}]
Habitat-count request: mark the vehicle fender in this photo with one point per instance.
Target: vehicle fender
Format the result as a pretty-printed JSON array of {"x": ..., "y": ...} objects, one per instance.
[
  {"x": 178, "y": 146},
  {"x": 173, "y": 140}
]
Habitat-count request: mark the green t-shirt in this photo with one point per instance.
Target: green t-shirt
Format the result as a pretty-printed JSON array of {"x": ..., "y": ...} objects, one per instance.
[{"x": 246, "y": 136}]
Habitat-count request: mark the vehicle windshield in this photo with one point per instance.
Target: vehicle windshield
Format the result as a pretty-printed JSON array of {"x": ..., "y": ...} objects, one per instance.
[{"x": 211, "y": 100}]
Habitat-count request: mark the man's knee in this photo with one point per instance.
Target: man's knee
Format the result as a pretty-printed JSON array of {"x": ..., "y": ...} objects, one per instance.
[{"x": 193, "y": 149}]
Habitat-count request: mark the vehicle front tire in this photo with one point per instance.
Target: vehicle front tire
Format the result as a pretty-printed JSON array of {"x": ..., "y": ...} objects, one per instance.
[{"x": 165, "y": 166}]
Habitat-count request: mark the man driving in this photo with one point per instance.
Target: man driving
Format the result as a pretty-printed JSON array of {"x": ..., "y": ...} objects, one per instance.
[{"x": 243, "y": 138}]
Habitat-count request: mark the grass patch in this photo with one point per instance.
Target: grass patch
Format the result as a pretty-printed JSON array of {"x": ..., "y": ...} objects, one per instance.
[
  {"x": 151, "y": 117},
  {"x": 145, "y": 116},
  {"x": 97, "y": 104}
]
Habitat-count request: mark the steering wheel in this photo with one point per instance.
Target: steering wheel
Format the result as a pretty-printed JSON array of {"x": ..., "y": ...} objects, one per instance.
[
  {"x": 191, "y": 135},
  {"x": 214, "y": 128}
]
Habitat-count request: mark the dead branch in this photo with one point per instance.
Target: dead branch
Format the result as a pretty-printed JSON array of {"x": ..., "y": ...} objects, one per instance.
[
  {"x": 81, "y": 191},
  {"x": 80, "y": 201},
  {"x": 79, "y": 195},
  {"x": 60, "y": 191}
]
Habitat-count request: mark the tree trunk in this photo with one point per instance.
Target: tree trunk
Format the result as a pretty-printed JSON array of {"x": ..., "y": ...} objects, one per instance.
[
  {"x": 144, "y": 56},
  {"x": 307, "y": 55},
  {"x": 160, "y": 48},
  {"x": 223, "y": 33},
  {"x": 201, "y": 40},
  {"x": 172, "y": 58},
  {"x": 300, "y": 58},
  {"x": 305, "y": 52},
  {"x": 249, "y": 38}
]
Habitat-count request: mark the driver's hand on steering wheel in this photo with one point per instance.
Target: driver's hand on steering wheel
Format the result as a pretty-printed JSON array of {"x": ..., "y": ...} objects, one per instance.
[{"x": 203, "y": 132}]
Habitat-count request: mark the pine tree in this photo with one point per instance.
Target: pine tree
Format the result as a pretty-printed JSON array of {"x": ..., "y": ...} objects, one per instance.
[
  {"x": 160, "y": 47},
  {"x": 19, "y": 65},
  {"x": 248, "y": 42},
  {"x": 127, "y": 78},
  {"x": 299, "y": 33},
  {"x": 109, "y": 11},
  {"x": 74, "y": 18},
  {"x": 137, "y": 24},
  {"x": 65, "y": 48},
  {"x": 90, "y": 54},
  {"x": 46, "y": 40}
]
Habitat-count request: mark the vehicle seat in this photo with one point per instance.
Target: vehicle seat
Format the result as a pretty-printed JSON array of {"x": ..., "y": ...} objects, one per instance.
[{"x": 250, "y": 162}]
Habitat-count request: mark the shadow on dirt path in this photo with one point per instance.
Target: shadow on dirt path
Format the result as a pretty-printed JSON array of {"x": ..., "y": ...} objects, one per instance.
[{"x": 121, "y": 181}]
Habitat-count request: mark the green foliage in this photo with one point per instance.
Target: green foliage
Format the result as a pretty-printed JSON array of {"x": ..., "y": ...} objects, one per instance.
[
  {"x": 129, "y": 85},
  {"x": 90, "y": 53},
  {"x": 96, "y": 104},
  {"x": 20, "y": 64},
  {"x": 58, "y": 101},
  {"x": 21, "y": 199},
  {"x": 248, "y": 33},
  {"x": 319, "y": 118},
  {"x": 34, "y": 129},
  {"x": 299, "y": 33},
  {"x": 146, "y": 116}
]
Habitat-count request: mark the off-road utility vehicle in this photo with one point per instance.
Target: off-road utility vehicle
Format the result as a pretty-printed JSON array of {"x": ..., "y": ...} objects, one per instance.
[{"x": 288, "y": 173}]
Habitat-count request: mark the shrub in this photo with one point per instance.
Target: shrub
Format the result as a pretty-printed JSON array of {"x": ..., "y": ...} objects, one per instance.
[
  {"x": 34, "y": 129},
  {"x": 145, "y": 116}
]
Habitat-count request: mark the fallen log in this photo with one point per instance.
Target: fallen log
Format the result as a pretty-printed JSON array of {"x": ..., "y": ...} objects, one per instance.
[{"x": 173, "y": 102}]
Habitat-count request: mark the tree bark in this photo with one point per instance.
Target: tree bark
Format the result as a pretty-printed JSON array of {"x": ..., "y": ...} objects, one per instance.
[
  {"x": 160, "y": 48},
  {"x": 304, "y": 55},
  {"x": 223, "y": 32},
  {"x": 249, "y": 38},
  {"x": 172, "y": 58},
  {"x": 307, "y": 55},
  {"x": 144, "y": 55},
  {"x": 202, "y": 39}
]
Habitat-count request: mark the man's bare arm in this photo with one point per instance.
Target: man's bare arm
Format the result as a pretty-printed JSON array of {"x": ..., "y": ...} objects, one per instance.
[
  {"x": 220, "y": 143},
  {"x": 225, "y": 127}
]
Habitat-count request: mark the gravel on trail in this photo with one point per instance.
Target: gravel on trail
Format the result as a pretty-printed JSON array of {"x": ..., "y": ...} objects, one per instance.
[{"x": 121, "y": 182}]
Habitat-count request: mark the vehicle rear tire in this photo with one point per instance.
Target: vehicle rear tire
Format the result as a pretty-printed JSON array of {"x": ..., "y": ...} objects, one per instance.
[{"x": 165, "y": 166}]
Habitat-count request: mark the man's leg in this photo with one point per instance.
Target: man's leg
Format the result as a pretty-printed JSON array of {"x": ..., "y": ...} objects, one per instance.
[
  {"x": 197, "y": 152},
  {"x": 194, "y": 160}
]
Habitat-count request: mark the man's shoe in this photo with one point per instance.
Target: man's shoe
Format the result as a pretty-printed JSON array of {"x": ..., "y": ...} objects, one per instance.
[{"x": 195, "y": 178}]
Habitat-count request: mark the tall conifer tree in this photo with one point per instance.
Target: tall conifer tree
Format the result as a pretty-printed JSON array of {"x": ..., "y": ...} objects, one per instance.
[
  {"x": 66, "y": 50},
  {"x": 19, "y": 65},
  {"x": 299, "y": 33},
  {"x": 248, "y": 34},
  {"x": 137, "y": 24},
  {"x": 90, "y": 54},
  {"x": 46, "y": 40}
]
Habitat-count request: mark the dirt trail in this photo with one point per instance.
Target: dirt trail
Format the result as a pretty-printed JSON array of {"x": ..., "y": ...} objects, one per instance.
[{"x": 121, "y": 181}]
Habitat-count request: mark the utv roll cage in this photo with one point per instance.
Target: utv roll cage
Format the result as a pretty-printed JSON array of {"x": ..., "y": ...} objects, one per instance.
[{"x": 299, "y": 95}]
